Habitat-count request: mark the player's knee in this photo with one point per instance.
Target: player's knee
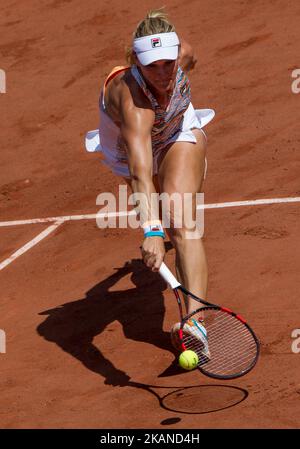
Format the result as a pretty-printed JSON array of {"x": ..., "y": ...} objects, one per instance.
[
  {"x": 179, "y": 236},
  {"x": 176, "y": 235}
]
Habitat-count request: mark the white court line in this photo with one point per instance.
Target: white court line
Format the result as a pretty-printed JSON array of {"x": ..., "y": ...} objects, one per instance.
[
  {"x": 295, "y": 199},
  {"x": 65, "y": 218},
  {"x": 132, "y": 212},
  {"x": 60, "y": 220},
  {"x": 30, "y": 244}
]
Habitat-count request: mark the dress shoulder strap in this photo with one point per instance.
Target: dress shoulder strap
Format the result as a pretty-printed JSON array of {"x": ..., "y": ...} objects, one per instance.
[{"x": 141, "y": 82}]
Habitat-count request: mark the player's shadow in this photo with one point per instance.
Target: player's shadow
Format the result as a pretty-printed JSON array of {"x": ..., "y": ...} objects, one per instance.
[{"x": 140, "y": 311}]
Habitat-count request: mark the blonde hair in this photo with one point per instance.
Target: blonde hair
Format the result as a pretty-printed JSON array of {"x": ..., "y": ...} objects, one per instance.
[{"x": 155, "y": 22}]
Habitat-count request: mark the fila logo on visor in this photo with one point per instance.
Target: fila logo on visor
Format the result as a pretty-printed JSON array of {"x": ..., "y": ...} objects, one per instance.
[{"x": 156, "y": 42}]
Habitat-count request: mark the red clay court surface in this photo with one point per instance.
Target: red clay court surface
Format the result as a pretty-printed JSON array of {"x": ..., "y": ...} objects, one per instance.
[{"x": 80, "y": 311}]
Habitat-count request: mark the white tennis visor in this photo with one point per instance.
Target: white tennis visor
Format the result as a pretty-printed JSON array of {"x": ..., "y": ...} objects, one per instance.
[{"x": 155, "y": 47}]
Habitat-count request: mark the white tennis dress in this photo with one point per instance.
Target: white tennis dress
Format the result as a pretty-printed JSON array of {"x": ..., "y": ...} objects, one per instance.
[{"x": 174, "y": 124}]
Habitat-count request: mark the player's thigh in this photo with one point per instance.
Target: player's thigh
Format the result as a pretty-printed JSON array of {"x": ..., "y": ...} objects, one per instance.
[{"x": 183, "y": 166}]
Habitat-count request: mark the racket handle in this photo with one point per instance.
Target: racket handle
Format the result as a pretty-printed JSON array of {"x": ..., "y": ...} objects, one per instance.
[{"x": 167, "y": 275}]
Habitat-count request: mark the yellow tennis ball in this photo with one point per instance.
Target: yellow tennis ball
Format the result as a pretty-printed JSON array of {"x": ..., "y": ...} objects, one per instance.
[{"x": 188, "y": 360}]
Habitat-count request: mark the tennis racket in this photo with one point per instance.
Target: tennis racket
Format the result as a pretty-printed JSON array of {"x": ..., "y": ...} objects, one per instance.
[{"x": 225, "y": 344}]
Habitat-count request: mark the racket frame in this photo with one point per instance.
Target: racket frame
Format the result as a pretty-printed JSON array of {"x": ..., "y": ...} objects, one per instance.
[
  {"x": 238, "y": 317},
  {"x": 175, "y": 286}
]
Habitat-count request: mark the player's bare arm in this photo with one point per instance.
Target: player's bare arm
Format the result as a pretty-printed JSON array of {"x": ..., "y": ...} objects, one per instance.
[{"x": 136, "y": 126}]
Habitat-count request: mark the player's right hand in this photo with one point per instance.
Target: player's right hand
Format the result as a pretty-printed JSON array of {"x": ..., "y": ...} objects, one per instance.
[{"x": 153, "y": 252}]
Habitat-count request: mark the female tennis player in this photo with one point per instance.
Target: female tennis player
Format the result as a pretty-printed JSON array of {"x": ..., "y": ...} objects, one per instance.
[{"x": 150, "y": 135}]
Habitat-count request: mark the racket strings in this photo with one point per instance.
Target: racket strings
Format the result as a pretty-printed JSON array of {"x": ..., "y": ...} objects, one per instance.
[{"x": 230, "y": 349}]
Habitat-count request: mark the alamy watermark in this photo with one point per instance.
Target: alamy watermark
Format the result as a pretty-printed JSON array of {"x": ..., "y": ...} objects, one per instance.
[
  {"x": 296, "y": 83},
  {"x": 2, "y": 342},
  {"x": 184, "y": 211},
  {"x": 296, "y": 343},
  {"x": 2, "y": 82}
]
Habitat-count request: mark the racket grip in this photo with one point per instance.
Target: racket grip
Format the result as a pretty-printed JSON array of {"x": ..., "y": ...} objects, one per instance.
[{"x": 168, "y": 276}]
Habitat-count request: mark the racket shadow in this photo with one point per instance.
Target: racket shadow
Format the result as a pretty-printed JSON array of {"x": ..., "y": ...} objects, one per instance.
[
  {"x": 74, "y": 325},
  {"x": 196, "y": 399}
]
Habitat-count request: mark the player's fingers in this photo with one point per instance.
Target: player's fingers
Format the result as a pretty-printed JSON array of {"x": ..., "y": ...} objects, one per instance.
[
  {"x": 157, "y": 263},
  {"x": 149, "y": 259}
]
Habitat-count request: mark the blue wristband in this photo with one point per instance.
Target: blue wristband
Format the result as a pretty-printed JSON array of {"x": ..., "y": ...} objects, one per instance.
[
  {"x": 155, "y": 234},
  {"x": 154, "y": 230}
]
